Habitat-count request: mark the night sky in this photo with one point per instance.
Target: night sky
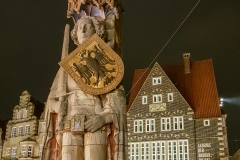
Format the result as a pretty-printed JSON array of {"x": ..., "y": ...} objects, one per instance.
[{"x": 31, "y": 36}]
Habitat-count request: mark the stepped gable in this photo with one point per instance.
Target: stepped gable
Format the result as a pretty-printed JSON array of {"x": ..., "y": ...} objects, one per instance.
[{"x": 198, "y": 87}]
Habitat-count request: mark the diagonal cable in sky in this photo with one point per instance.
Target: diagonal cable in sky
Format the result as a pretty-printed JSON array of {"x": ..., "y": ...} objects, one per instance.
[{"x": 165, "y": 45}]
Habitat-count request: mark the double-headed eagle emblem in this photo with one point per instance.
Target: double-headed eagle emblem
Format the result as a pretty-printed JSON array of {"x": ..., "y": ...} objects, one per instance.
[{"x": 94, "y": 66}]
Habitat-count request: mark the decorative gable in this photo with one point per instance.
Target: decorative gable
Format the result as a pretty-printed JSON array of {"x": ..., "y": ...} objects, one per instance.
[{"x": 158, "y": 94}]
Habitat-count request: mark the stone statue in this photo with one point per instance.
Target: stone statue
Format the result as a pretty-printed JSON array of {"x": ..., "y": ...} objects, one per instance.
[{"x": 88, "y": 126}]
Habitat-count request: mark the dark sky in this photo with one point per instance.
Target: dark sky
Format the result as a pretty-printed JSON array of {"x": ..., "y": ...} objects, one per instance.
[{"x": 31, "y": 36}]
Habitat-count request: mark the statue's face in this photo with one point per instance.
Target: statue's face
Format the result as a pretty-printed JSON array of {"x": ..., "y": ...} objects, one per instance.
[{"x": 85, "y": 30}]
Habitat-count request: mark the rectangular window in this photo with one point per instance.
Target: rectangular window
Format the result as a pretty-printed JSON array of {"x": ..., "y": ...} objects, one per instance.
[
  {"x": 20, "y": 130},
  {"x": 183, "y": 149},
  {"x": 144, "y": 99},
  {"x": 178, "y": 123},
  {"x": 23, "y": 151},
  {"x": 14, "y": 152},
  {"x": 157, "y": 98},
  {"x": 25, "y": 113},
  {"x": 135, "y": 151},
  {"x": 138, "y": 126},
  {"x": 7, "y": 154},
  {"x": 166, "y": 124},
  {"x": 19, "y": 114},
  {"x": 13, "y": 132},
  {"x": 27, "y": 129},
  {"x": 160, "y": 150},
  {"x": 42, "y": 127},
  {"x": 157, "y": 80},
  {"x": 206, "y": 122},
  {"x": 150, "y": 125},
  {"x": 30, "y": 148},
  {"x": 172, "y": 150},
  {"x": 145, "y": 151},
  {"x": 170, "y": 97}
]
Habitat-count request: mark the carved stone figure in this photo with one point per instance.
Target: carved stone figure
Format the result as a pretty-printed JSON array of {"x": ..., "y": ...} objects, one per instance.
[{"x": 88, "y": 126}]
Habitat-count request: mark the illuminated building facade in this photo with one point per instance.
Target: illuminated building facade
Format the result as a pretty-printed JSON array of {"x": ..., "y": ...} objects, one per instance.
[
  {"x": 174, "y": 114},
  {"x": 24, "y": 132}
]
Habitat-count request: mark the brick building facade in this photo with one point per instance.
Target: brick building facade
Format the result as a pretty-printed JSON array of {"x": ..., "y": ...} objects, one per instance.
[{"x": 174, "y": 114}]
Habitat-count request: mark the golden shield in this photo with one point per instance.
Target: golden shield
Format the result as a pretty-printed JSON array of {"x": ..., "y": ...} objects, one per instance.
[{"x": 94, "y": 66}]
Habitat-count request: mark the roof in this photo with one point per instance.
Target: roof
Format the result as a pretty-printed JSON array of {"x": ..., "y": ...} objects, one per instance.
[{"x": 198, "y": 87}]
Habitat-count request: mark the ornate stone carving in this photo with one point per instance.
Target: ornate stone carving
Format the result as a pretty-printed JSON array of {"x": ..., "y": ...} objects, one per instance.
[{"x": 156, "y": 107}]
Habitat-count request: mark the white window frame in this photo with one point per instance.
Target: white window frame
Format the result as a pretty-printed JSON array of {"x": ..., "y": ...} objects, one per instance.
[
  {"x": 25, "y": 113},
  {"x": 144, "y": 99},
  {"x": 183, "y": 150},
  {"x": 7, "y": 153},
  {"x": 14, "y": 152},
  {"x": 27, "y": 130},
  {"x": 157, "y": 98},
  {"x": 156, "y": 80},
  {"x": 150, "y": 125},
  {"x": 178, "y": 123},
  {"x": 206, "y": 122},
  {"x": 23, "y": 150},
  {"x": 172, "y": 150},
  {"x": 29, "y": 150},
  {"x": 166, "y": 124},
  {"x": 138, "y": 126},
  {"x": 14, "y": 132},
  {"x": 170, "y": 97},
  {"x": 20, "y": 131},
  {"x": 135, "y": 151},
  {"x": 145, "y": 150}
]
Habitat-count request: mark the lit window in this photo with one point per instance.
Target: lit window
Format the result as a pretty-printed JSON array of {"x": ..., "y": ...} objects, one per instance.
[
  {"x": 156, "y": 80},
  {"x": 206, "y": 122},
  {"x": 19, "y": 114},
  {"x": 150, "y": 125},
  {"x": 170, "y": 97},
  {"x": 157, "y": 98},
  {"x": 178, "y": 123},
  {"x": 23, "y": 151},
  {"x": 43, "y": 127},
  {"x": 25, "y": 113},
  {"x": 20, "y": 130},
  {"x": 166, "y": 124},
  {"x": 13, "y": 133},
  {"x": 14, "y": 152},
  {"x": 30, "y": 148},
  {"x": 138, "y": 126},
  {"x": 7, "y": 154},
  {"x": 144, "y": 99},
  {"x": 27, "y": 129}
]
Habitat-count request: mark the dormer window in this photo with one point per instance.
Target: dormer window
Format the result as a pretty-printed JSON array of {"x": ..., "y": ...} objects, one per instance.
[
  {"x": 156, "y": 80},
  {"x": 25, "y": 113},
  {"x": 170, "y": 97},
  {"x": 144, "y": 99},
  {"x": 157, "y": 98}
]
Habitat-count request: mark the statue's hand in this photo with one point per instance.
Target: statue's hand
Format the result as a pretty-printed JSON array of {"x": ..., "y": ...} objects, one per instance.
[{"x": 95, "y": 123}]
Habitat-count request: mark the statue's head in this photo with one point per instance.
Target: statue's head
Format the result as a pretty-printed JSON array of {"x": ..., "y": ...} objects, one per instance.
[{"x": 85, "y": 28}]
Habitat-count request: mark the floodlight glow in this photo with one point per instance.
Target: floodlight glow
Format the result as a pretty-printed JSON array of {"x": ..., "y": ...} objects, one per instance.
[{"x": 221, "y": 99}]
